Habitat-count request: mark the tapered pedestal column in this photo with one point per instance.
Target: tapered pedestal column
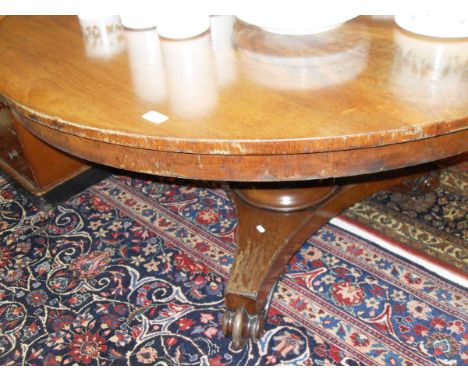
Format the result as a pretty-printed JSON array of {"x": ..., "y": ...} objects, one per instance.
[{"x": 274, "y": 221}]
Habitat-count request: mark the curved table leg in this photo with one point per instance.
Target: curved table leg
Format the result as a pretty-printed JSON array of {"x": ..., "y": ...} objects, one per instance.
[{"x": 273, "y": 224}]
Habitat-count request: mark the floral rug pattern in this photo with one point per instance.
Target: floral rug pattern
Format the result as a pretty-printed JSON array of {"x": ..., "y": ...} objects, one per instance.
[
  {"x": 131, "y": 272},
  {"x": 435, "y": 224}
]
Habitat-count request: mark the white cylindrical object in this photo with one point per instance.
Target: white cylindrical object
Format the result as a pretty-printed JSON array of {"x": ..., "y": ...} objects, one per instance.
[
  {"x": 190, "y": 76},
  {"x": 453, "y": 26},
  {"x": 182, "y": 26},
  {"x": 297, "y": 23},
  {"x": 221, "y": 32},
  {"x": 140, "y": 21},
  {"x": 103, "y": 35},
  {"x": 146, "y": 66},
  {"x": 429, "y": 71}
]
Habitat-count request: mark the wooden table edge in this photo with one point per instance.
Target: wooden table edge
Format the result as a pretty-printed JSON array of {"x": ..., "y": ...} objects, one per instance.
[
  {"x": 259, "y": 167},
  {"x": 241, "y": 147}
]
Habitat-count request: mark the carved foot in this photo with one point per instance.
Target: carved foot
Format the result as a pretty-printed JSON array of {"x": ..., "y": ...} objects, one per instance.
[{"x": 241, "y": 326}]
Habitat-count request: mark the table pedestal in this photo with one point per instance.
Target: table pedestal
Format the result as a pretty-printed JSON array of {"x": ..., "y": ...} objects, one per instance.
[{"x": 274, "y": 221}]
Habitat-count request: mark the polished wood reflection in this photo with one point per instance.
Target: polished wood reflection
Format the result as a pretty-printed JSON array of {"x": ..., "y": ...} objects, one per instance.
[
  {"x": 243, "y": 105},
  {"x": 285, "y": 198},
  {"x": 260, "y": 168},
  {"x": 352, "y": 87}
]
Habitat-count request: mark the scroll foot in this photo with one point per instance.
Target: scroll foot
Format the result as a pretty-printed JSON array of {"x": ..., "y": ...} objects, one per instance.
[{"x": 241, "y": 326}]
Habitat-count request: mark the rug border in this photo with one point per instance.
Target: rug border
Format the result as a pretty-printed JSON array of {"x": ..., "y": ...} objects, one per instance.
[{"x": 420, "y": 259}]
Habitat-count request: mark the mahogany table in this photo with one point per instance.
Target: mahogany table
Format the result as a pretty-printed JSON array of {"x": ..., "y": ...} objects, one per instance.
[{"x": 263, "y": 111}]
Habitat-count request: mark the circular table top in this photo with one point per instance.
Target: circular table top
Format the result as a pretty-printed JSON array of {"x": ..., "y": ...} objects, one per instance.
[{"x": 236, "y": 90}]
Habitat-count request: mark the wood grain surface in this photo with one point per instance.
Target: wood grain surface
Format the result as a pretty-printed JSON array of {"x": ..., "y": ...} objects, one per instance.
[
  {"x": 260, "y": 168},
  {"x": 241, "y": 102}
]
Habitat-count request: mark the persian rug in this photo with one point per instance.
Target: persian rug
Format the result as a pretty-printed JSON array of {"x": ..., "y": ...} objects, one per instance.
[
  {"x": 131, "y": 272},
  {"x": 433, "y": 226}
]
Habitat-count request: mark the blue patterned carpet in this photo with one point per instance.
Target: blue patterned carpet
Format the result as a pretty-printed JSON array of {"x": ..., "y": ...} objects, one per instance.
[{"x": 132, "y": 271}]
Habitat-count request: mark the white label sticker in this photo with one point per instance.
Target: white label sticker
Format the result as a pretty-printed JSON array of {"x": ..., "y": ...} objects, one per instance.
[
  {"x": 155, "y": 117},
  {"x": 261, "y": 229}
]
